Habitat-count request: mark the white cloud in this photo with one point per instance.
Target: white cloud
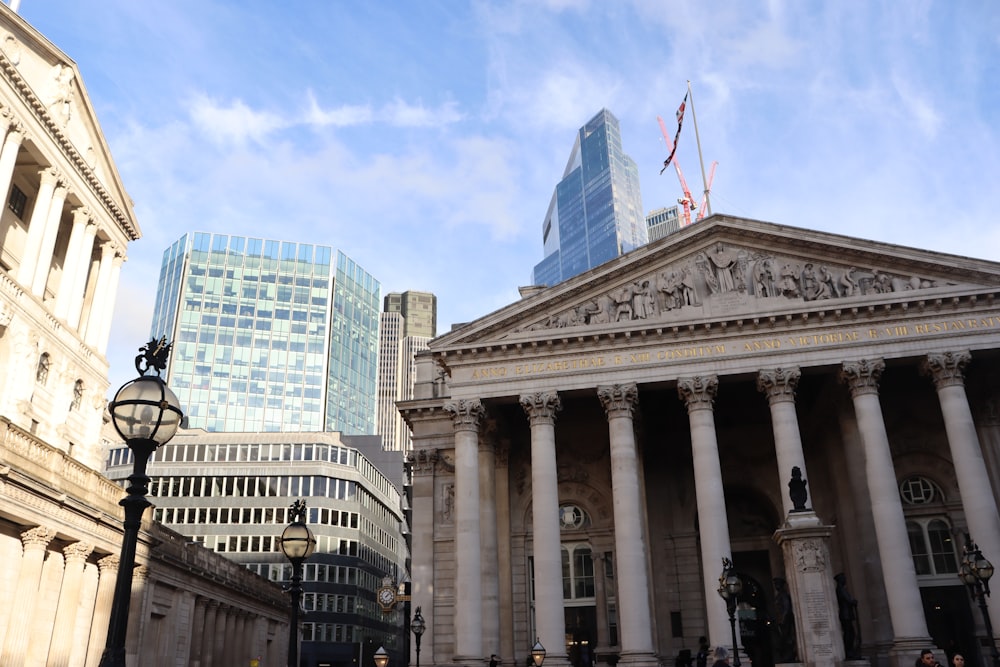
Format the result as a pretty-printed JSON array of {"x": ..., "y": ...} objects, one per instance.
[
  {"x": 343, "y": 116},
  {"x": 236, "y": 123},
  {"x": 403, "y": 114}
]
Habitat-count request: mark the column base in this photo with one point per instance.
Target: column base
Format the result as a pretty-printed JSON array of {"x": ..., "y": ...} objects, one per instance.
[
  {"x": 637, "y": 659},
  {"x": 905, "y": 651}
]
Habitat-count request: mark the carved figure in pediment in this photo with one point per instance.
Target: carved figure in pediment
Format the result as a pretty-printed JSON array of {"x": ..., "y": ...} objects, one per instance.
[
  {"x": 688, "y": 295},
  {"x": 881, "y": 282},
  {"x": 787, "y": 282},
  {"x": 827, "y": 280},
  {"x": 668, "y": 284},
  {"x": 849, "y": 283},
  {"x": 623, "y": 303},
  {"x": 62, "y": 93},
  {"x": 701, "y": 261},
  {"x": 763, "y": 279},
  {"x": 643, "y": 301},
  {"x": 810, "y": 285},
  {"x": 597, "y": 310}
]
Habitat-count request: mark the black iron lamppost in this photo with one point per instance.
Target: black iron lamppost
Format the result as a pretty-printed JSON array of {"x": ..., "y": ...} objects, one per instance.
[
  {"x": 381, "y": 658},
  {"x": 146, "y": 414},
  {"x": 418, "y": 625},
  {"x": 297, "y": 543},
  {"x": 537, "y": 653},
  {"x": 976, "y": 572},
  {"x": 730, "y": 587}
]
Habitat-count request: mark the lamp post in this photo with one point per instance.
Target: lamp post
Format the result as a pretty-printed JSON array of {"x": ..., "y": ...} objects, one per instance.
[
  {"x": 537, "y": 653},
  {"x": 297, "y": 543},
  {"x": 146, "y": 414},
  {"x": 976, "y": 572},
  {"x": 381, "y": 658},
  {"x": 730, "y": 587},
  {"x": 418, "y": 625}
]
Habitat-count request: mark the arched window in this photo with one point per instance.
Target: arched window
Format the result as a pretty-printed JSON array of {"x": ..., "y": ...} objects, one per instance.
[
  {"x": 77, "y": 395},
  {"x": 42, "y": 371},
  {"x": 577, "y": 571}
]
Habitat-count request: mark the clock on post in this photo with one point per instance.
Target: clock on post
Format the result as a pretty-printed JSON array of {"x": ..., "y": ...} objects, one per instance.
[{"x": 386, "y": 595}]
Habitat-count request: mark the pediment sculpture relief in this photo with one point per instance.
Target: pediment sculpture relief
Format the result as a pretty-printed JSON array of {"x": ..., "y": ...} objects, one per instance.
[{"x": 722, "y": 272}]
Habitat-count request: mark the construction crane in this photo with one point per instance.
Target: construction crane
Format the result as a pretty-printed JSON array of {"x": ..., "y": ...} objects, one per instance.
[{"x": 687, "y": 203}]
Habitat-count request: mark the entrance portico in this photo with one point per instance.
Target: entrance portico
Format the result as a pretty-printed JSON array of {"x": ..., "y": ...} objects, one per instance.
[{"x": 639, "y": 451}]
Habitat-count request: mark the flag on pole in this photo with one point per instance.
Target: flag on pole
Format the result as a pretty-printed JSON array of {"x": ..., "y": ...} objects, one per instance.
[{"x": 680, "y": 121}]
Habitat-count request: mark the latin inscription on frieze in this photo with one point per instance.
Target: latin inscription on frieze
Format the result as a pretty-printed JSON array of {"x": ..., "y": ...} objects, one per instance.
[{"x": 845, "y": 336}]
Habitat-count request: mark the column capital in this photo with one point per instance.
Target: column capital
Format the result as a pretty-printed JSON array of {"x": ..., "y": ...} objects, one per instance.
[
  {"x": 698, "y": 392},
  {"x": 141, "y": 572},
  {"x": 619, "y": 400},
  {"x": 467, "y": 414},
  {"x": 82, "y": 214},
  {"x": 946, "y": 368},
  {"x": 541, "y": 406},
  {"x": 779, "y": 383},
  {"x": 109, "y": 563},
  {"x": 50, "y": 176},
  {"x": 37, "y": 537},
  {"x": 862, "y": 376},
  {"x": 78, "y": 551}
]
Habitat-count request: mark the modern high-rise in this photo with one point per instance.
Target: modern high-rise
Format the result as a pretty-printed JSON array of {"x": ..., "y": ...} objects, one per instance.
[
  {"x": 407, "y": 324},
  {"x": 231, "y": 492},
  {"x": 269, "y": 335},
  {"x": 596, "y": 210},
  {"x": 662, "y": 221}
]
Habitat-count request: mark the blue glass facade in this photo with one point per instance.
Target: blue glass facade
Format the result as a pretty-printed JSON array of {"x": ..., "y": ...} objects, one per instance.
[
  {"x": 596, "y": 210},
  {"x": 268, "y": 335}
]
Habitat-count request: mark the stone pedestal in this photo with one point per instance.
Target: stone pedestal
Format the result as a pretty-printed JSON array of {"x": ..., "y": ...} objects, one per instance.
[{"x": 805, "y": 542}]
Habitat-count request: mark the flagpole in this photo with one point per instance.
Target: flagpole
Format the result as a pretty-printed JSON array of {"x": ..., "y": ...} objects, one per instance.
[{"x": 704, "y": 182}]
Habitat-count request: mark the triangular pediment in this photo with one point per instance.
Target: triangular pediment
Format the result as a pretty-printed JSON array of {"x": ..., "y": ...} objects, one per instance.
[
  {"x": 50, "y": 90},
  {"x": 728, "y": 268}
]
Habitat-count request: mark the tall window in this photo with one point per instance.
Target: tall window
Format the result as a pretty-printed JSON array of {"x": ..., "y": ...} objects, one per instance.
[
  {"x": 577, "y": 572},
  {"x": 932, "y": 546},
  {"x": 42, "y": 371},
  {"x": 77, "y": 395},
  {"x": 17, "y": 201}
]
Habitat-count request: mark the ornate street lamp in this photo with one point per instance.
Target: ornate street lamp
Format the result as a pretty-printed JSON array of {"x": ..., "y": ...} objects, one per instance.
[
  {"x": 146, "y": 414},
  {"x": 730, "y": 587},
  {"x": 538, "y": 653},
  {"x": 381, "y": 658},
  {"x": 297, "y": 543},
  {"x": 976, "y": 572},
  {"x": 418, "y": 625}
]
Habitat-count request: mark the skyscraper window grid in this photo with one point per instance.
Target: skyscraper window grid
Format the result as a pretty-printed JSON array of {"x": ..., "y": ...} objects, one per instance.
[{"x": 250, "y": 320}]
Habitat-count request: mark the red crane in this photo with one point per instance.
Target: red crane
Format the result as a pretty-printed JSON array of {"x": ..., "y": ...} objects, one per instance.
[
  {"x": 687, "y": 203},
  {"x": 708, "y": 187}
]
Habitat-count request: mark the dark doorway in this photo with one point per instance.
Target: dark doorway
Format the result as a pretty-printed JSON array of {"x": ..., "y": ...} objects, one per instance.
[
  {"x": 581, "y": 635},
  {"x": 949, "y": 620}
]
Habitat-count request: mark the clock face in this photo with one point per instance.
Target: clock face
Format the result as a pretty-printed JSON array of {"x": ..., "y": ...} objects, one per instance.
[{"x": 386, "y": 597}]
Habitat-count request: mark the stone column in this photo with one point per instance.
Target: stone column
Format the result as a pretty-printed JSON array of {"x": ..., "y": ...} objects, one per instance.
[
  {"x": 36, "y": 227},
  {"x": 491, "y": 560},
  {"x": 81, "y": 275},
  {"x": 107, "y": 312},
  {"x": 619, "y": 402},
  {"x": 92, "y": 320},
  {"x": 905, "y": 607},
  {"x": 713, "y": 522},
  {"x": 198, "y": 631},
  {"x": 221, "y": 624},
  {"x": 15, "y": 646},
  {"x": 85, "y": 616},
  {"x": 550, "y": 619},
  {"x": 70, "y": 284},
  {"x": 467, "y": 416},
  {"x": 779, "y": 384},
  {"x": 967, "y": 455},
  {"x": 138, "y": 616},
  {"x": 8, "y": 155},
  {"x": 48, "y": 244},
  {"x": 102, "y": 608},
  {"x": 69, "y": 601},
  {"x": 425, "y": 516},
  {"x": 210, "y": 635},
  {"x": 600, "y": 603}
]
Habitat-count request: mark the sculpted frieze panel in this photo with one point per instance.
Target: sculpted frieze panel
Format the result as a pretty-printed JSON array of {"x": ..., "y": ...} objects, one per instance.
[{"x": 727, "y": 274}]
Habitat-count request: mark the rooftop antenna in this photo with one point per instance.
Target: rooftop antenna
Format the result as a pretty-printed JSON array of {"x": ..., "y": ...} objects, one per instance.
[{"x": 708, "y": 203}]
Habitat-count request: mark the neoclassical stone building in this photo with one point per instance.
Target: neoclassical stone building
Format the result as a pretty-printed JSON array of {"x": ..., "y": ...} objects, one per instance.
[
  {"x": 63, "y": 233},
  {"x": 804, "y": 403}
]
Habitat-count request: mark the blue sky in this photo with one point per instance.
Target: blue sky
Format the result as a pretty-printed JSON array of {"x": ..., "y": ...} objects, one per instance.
[{"x": 424, "y": 138}]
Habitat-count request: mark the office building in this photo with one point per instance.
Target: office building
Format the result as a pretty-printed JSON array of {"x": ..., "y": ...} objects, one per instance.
[
  {"x": 661, "y": 222},
  {"x": 64, "y": 233},
  {"x": 231, "y": 492},
  {"x": 823, "y": 411},
  {"x": 269, "y": 335},
  {"x": 407, "y": 323},
  {"x": 596, "y": 210}
]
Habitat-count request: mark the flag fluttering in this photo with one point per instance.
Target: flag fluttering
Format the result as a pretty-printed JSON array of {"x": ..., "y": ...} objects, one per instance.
[{"x": 680, "y": 121}]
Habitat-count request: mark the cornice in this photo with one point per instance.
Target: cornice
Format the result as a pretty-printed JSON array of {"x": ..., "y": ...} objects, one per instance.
[{"x": 10, "y": 74}]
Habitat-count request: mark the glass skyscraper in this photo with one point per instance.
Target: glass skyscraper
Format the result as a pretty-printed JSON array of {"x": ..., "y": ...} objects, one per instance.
[
  {"x": 268, "y": 335},
  {"x": 595, "y": 213}
]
